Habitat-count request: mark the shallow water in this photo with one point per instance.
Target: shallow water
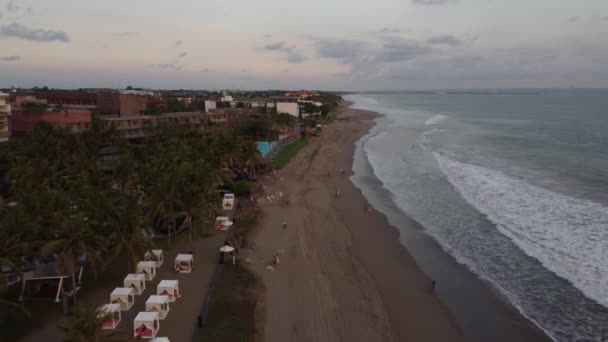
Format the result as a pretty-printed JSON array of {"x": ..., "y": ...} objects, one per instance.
[{"x": 511, "y": 185}]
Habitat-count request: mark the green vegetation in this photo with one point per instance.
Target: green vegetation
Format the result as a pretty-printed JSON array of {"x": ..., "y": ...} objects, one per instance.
[
  {"x": 62, "y": 199},
  {"x": 288, "y": 152},
  {"x": 232, "y": 309},
  {"x": 241, "y": 188}
]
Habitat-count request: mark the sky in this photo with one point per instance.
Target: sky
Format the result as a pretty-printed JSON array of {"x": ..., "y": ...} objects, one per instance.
[{"x": 315, "y": 44}]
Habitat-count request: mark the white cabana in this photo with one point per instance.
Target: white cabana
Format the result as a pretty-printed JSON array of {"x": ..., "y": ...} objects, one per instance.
[
  {"x": 146, "y": 325},
  {"x": 184, "y": 263},
  {"x": 155, "y": 255},
  {"x": 158, "y": 304},
  {"x": 160, "y": 339},
  {"x": 137, "y": 281},
  {"x": 228, "y": 202},
  {"x": 111, "y": 315},
  {"x": 223, "y": 223},
  {"x": 124, "y": 296},
  {"x": 169, "y": 288},
  {"x": 147, "y": 268}
]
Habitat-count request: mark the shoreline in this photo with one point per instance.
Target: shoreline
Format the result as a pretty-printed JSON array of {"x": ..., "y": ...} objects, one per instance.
[
  {"x": 479, "y": 309},
  {"x": 342, "y": 274}
]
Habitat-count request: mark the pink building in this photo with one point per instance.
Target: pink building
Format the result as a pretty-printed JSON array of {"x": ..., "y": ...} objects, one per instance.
[{"x": 23, "y": 121}]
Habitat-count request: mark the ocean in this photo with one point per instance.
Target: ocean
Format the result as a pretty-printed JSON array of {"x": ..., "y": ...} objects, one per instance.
[{"x": 511, "y": 184}]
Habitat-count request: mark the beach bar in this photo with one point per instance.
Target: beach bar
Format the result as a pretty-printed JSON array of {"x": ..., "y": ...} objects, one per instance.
[
  {"x": 169, "y": 288},
  {"x": 184, "y": 263},
  {"x": 124, "y": 296},
  {"x": 147, "y": 268},
  {"x": 137, "y": 281},
  {"x": 111, "y": 315},
  {"x": 158, "y": 304},
  {"x": 155, "y": 255},
  {"x": 146, "y": 325}
]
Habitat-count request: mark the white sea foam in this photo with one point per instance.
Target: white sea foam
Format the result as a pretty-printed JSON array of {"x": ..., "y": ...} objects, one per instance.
[
  {"x": 567, "y": 235},
  {"x": 435, "y": 119}
]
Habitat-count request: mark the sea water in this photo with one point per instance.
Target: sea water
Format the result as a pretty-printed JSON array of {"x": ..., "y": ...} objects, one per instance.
[{"x": 512, "y": 184}]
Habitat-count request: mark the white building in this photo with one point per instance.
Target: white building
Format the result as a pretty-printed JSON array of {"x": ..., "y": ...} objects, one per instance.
[
  {"x": 5, "y": 118},
  {"x": 290, "y": 108},
  {"x": 210, "y": 105},
  {"x": 227, "y": 98}
]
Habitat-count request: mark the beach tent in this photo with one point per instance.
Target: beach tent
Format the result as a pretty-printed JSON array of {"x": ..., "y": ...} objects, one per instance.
[
  {"x": 124, "y": 296},
  {"x": 155, "y": 255},
  {"x": 137, "y": 281},
  {"x": 169, "y": 288},
  {"x": 222, "y": 223},
  {"x": 184, "y": 263},
  {"x": 228, "y": 202},
  {"x": 158, "y": 304},
  {"x": 111, "y": 315},
  {"x": 46, "y": 282},
  {"x": 147, "y": 268},
  {"x": 146, "y": 325}
]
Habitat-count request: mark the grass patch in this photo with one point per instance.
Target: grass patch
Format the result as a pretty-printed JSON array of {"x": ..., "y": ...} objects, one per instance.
[
  {"x": 232, "y": 309},
  {"x": 288, "y": 152}
]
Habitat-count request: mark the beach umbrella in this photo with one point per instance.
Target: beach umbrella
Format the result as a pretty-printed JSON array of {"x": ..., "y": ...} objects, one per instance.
[{"x": 226, "y": 249}]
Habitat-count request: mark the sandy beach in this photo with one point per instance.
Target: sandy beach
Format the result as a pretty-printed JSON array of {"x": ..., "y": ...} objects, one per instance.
[{"x": 343, "y": 274}]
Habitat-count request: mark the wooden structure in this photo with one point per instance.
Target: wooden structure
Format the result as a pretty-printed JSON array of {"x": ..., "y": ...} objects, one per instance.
[
  {"x": 124, "y": 296},
  {"x": 184, "y": 263},
  {"x": 147, "y": 268},
  {"x": 158, "y": 304},
  {"x": 146, "y": 325},
  {"x": 137, "y": 281},
  {"x": 155, "y": 255},
  {"x": 111, "y": 315},
  {"x": 169, "y": 288}
]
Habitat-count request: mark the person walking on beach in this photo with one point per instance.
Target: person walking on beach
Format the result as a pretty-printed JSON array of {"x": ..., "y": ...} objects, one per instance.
[
  {"x": 276, "y": 259},
  {"x": 284, "y": 225},
  {"x": 433, "y": 286}
]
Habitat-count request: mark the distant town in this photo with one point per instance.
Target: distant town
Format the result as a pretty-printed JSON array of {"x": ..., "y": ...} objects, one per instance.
[{"x": 133, "y": 111}]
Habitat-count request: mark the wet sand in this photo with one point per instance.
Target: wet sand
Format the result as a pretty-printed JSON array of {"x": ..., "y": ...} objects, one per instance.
[{"x": 343, "y": 275}]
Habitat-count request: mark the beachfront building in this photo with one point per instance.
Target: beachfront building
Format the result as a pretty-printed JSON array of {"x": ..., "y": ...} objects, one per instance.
[
  {"x": 143, "y": 126},
  {"x": 290, "y": 108},
  {"x": 5, "y": 118},
  {"x": 210, "y": 105}
]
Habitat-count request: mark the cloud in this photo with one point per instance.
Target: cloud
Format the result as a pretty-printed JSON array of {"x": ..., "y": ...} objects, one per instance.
[
  {"x": 444, "y": 40},
  {"x": 10, "y": 58},
  {"x": 267, "y": 36},
  {"x": 431, "y": 2},
  {"x": 12, "y": 6},
  {"x": 573, "y": 19},
  {"x": 182, "y": 55},
  {"x": 402, "y": 50},
  {"x": 166, "y": 66},
  {"x": 274, "y": 46},
  {"x": 244, "y": 70},
  {"x": 178, "y": 43},
  {"x": 285, "y": 71},
  {"x": 124, "y": 34},
  {"x": 19, "y": 31},
  {"x": 389, "y": 30},
  {"x": 344, "y": 50},
  {"x": 294, "y": 56}
]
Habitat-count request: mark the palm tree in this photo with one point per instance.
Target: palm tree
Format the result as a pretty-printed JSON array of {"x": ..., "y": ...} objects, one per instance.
[
  {"x": 127, "y": 230},
  {"x": 85, "y": 325}
]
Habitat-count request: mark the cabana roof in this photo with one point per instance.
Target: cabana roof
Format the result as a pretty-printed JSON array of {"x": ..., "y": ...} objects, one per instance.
[
  {"x": 135, "y": 277},
  {"x": 157, "y": 299},
  {"x": 146, "y": 264},
  {"x": 122, "y": 291},
  {"x": 184, "y": 257},
  {"x": 108, "y": 308},
  {"x": 146, "y": 317},
  {"x": 168, "y": 283}
]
